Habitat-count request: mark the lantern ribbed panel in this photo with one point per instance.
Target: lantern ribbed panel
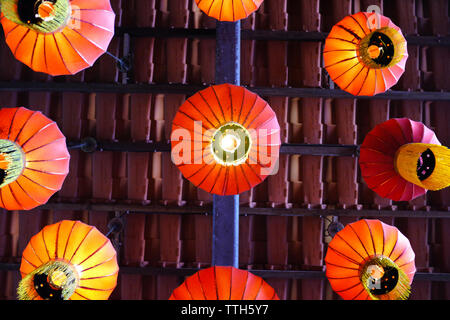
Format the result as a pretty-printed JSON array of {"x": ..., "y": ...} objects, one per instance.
[
  {"x": 347, "y": 55},
  {"x": 72, "y": 48},
  {"x": 357, "y": 243},
  {"x": 214, "y": 107},
  {"x": 82, "y": 246},
  {"x": 228, "y": 10},
  {"x": 46, "y": 158},
  {"x": 224, "y": 283},
  {"x": 377, "y": 155}
]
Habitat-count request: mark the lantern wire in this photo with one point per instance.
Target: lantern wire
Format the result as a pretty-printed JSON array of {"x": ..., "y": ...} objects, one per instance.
[
  {"x": 123, "y": 64},
  {"x": 334, "y": 226},
  {"x": 116, "y": 225},
  {"x": 88, "y": 145}
]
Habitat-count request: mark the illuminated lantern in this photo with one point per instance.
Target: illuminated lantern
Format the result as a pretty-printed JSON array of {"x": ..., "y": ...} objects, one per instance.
[
  {"x": 34, "y": 160},
  {"x": 224, "y": 283},
  {"x": 365, "y": 54},
  {"x": 228, "y": 10},
  {"x": 370, "y": 260},
  {"x": 58, "y": 37},
  {"x": 68, "y": 260},
  {"x": 225, "y": 139},
  {"x": 401, "y": 159}
]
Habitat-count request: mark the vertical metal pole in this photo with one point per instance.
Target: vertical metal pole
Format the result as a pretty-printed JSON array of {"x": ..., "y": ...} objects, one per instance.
[
  {"x": 226, "y": 231},
  {"x": 225, "y": 247},
  {"x": 228, "y": 52}
]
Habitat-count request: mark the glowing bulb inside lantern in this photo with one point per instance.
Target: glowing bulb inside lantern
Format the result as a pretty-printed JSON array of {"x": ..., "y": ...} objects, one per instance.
[
  {"x": 230, "y": 142},
  {"x": 57, "y": 278},
  {"x": 375, "y": 271},
  {"x": 374, "y": 51},
  {"x": 46, "y": 11}
]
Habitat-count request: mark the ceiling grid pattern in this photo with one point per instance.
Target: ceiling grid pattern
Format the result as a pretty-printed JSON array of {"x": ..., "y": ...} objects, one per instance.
[{"x": 267, "y": 242}]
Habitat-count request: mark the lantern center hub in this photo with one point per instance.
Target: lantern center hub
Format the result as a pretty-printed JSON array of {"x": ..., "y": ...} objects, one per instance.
[
  {"x": 382, "y": 48},
  {"x": 383, "y": 279},
  {"x": 12, "y": 162},
  {"x": 43, "y": 16},
  {"x": 383, "y": 44},
  {"x": 54, "y": 280},
  {"x": 231, "y": 144}
]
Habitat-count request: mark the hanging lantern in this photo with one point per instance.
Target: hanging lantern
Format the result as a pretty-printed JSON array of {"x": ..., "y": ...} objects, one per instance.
[
  {"x": 401, "y": 159},
  {"x": 225, "y": 139},
  {"x": 365, "y": 54},
  {"x": 228, "y": 10},
  {"x": 68, "y": 260},
  {"x": 370, "y": 260},
  {"x": 34, "y": 160},
  {"x": 58, "y": 37},
  {"x": 224, "y": 283}
]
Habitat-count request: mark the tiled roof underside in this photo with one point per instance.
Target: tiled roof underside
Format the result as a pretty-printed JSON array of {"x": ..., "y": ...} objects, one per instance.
[{"x": 267, "y": 242}]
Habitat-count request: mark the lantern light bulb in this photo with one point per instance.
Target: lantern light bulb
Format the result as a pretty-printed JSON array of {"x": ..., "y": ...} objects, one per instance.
[
  {"x": 46, "y": 11},
  {"x": 375, "y": 271},
  {"x": 374, "y": 51},
  {"x": 229, "y": 142},
  {"x": 57, "y": 278}
]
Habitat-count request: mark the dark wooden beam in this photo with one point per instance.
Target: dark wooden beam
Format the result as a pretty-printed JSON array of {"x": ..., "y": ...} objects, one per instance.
[
  {"x": 83, "y": 87},
  {"x": 190, "y": 89},
  {"x": 270, "y": 35},
  {"x": 340, "y": 94},
  {"x": 267, "y": 274},
  {"x": 207, "y": 210},
  {"x": 334, "y": 150}
]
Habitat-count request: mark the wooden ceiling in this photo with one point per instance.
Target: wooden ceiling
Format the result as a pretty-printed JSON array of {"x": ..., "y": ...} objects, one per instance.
[{"x": 283, "y": 224}]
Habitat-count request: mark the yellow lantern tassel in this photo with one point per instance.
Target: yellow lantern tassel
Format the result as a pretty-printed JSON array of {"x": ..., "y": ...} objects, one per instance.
[
  {"x": 426, "y": 165},
  {"x": 55, "y": 279},
  {"x": 391, "y": 284}
]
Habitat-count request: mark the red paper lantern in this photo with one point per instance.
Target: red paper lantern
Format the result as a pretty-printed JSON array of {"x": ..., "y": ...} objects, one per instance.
[
  {"x": 228, "y": 10},
  {"x": 390, "y": 160},
  {"x": 34, "y": 160},
  {"x": 224, "y": 283},
  {"x": 225, "y": 139},
  {"x": 68, "y": 260},
  {"x": 58, "y": 37},
  {"x": 369, "y": 259},
  {"x": 365, "y": 54}
]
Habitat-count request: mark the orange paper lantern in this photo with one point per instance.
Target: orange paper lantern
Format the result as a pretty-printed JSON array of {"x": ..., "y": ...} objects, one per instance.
[
  {"x": 224, "y": 283},
  {"x": 228, "y": 10},
  {"x": 225, "y": 139},
  {"x": 369, "y": 259},
  {"x": 68, "y": 260},
  {"x": 58, "y": 37},
  {"x": 387, "y": 168},
  {"x": 365, "y": 54},
  {"x": 34, "y": 160}
]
